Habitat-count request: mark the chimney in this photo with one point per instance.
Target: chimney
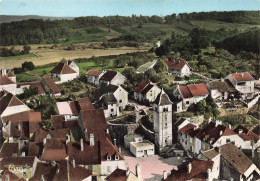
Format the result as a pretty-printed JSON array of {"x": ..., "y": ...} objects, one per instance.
[
  {"x": 86, "y": 130},
  {"x": 4, "y": 71},
  {"x": 115, "y": 142},
  {"x": 107, "y": 131},
  {"x": 19, "y": 126},
  {"x": 91, "y": 140},
  {"x": 81, "y": 144},
  {"x": 165, "y": 174},
  {"x": 220, "y": 133},
  {"x": 23, "y": 154},
  {"x": 119, "y": 149},
  {"x": 222, "y": 79},
  {"x": 44, "y": 141},
  {"x": 57, "y": 171},
  {"x": 42, "y": 178},
  {"x": 127, "y": 171},
  {"x": 68, "y": 139},
  {"x": 73, "y": 163},
  {"x": 189, "y": 167},
  {"x": 240, "y": 131},
  {"x": 138, "y": 171},
  {"x": 242, "y": 74}
]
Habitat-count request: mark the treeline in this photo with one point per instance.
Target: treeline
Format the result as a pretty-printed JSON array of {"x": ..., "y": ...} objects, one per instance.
[
  {"x": 248, "y": 41},
  {"x": 246, "y": 17},
  {"x": 5, "y": 52},
  {"x": 33, "y": 31}
]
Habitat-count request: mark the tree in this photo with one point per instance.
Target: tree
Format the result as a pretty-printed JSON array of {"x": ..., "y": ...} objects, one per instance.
[
  {"x": 160, "y": 67},
  {"x": 26, "y": 49},
  {"x": 215, "y": 112},
  {"x": 27, "y": 66}
]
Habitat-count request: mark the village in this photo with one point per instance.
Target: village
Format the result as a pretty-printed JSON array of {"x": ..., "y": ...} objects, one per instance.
[{"x": 125, "y": 135}]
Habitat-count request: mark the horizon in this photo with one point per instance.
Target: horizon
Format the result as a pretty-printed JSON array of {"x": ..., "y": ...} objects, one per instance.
[{"x": 101, "y": 8}]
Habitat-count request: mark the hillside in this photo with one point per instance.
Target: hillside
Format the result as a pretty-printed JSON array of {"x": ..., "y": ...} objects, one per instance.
[{"x": 11, "y": 18}]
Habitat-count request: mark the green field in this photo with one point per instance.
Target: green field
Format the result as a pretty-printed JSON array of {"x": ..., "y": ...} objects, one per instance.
[
  {"x": 26, "y": 77},
  {"x": 145, "y": 66},
  {"x": 18, "y": 56}
]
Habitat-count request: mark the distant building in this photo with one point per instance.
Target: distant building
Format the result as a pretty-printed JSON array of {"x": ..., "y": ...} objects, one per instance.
[
  {"x": 112, "y": 77},
  {"x": 243, "y": 83},
  {"x": 64, "y": 72},
  {"x": 162, "y": 118},
  {"x": 142, "y": 148},
  {"x": 8, "y": 82},
  {"x": 179, "y": 67},
  {"x": 94, "y": 76},
  {"x": 146, "y": 92},
  {"x": 189, "y": 94}
]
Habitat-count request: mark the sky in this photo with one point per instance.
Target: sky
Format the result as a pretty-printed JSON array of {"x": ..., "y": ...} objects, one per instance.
[{"x": 75, "y": 8}]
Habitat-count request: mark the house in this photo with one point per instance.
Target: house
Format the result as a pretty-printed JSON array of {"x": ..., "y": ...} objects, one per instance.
[
  {"x": 232, "y": 163},
  {"x": 221, "y": 89},
  {"x": 26, "y": 164},
  {"x": 189, "y": 94},
  {"x": 64, "y": 72},
  {"x": 243, "y": 83},
  {"x": 6, "y": 82},
  {"x": 109, "y": 104},
  {"x": 94, "y": 76},
  {"x": 112, "y": 77},
  {"x": 10, "y": 105},
  {"x": 162, "y": 119},
  {"x": 146, "y": 91},
  {"x": 179, "y": 67},
  {"x": 193, "y": 170},
  {"x": 125, "y": 175},
  {"x": 71, "y": 109},
  {"x": 120, "y": 94},
  {"x": 142, "y": 148},
  {"x": 130, "y": 138},
  {"x": 50, "y": 86}
]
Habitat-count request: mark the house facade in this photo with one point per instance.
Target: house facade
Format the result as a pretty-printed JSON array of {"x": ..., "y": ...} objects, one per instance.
[
  {"x": 64, "y": 72},
  {"x": 243, "y": 83},
  {"x": 94, "y": 76},
  {"x": 112, "y": 77},
  {"x": 146, "y": 92},
  {"x": 179, "y": 67},
  {"x": 192, "y": 93}
]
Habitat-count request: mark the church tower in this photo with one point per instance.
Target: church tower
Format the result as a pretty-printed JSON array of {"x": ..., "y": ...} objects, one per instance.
[{"x": 162, "y": 120}]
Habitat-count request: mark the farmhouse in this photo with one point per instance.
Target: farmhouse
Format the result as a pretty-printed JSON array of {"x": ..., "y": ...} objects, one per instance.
[
  {"x": 112, "y": 77},
  {"x": 94, "y": 76},
  {"x": 179, "y": 67},
  {"x": 146, "y": 92},
  {"x": 64, "y": 72},
  {"x": 243, "y": 83},
  {"x": 221, "y": 89},
  {"x": 232, "y": 163},
  {"x": 50, "y": 86}
]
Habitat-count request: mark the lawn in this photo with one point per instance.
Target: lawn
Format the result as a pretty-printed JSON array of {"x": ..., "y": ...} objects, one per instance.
[
  {"x": 145, "y": 66},
  {"x": 26, "y": 77},
  {"x": 41, "y": 71},
  {"x": 18, "y": 56}
]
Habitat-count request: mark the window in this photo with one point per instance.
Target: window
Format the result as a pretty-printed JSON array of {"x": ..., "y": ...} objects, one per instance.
[
  {"x": 94, "y": 178},
  {"x": 116, "y": 157},
  {"x": 165, "y": 109},
  {"x": 108, "y": 157},
  {"x": 112, "y": 110},
  {"x": 227, "y": 140},
  {"x": 90, "y": 167},
  {"x": 187, "y": 102},
  {"x": 120, "y": 101},
  {"x": 186, "y": 142},
  {"x": 109, "y": 169},
  {"x": 165, "y": 124}
]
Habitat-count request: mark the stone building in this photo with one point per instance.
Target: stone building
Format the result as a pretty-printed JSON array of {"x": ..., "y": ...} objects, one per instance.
[{"x": 162, "y": 118}]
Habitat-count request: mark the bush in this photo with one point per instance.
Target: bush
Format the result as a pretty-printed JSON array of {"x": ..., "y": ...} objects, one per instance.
[{"x": 27, "y": 66}]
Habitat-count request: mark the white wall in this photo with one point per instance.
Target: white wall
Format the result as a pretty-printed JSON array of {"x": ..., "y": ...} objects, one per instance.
[
  {"x": 68, "y": 77},
  {"x": 185, "y": 71},
  {"x": 108, "y": 111},
  {"x": 153, "y": 93},
  {"x": 121, "y": 94},
  {"x": 14, "y": 109},
  {"x": 10, "y": 88},
  {"x": 113, "y": 164},
  {"x": 139, "y": 151},
  {"x": 118, "y": 79}
]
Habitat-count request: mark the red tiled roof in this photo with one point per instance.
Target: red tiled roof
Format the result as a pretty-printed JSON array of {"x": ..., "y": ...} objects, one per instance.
[
  {"x": 89, "y": 156},
  {"x": 74, "y": 108},
  {"x": 4, "y": 80},
  {"x": 179, "y": 122},
  {"x": 147, "y": 88},
  {"x": 194, "y": 90},
  {"x": 175, "y": 64},
  {"x": 52, "y": 85},
  {"x": 17, "y": 161},
  {"x": 35, "y": 149},
  {"x": 8, "y": 149},
  {"x": 141, "y": 86},
  {"x": 210, "y": 153},
  {"x": 246, "y": 134},
  {"x": 90, "y": 119},
  {"x": 10, "y": 74},
  {"x": 62, "y": 68},
  {"x": 44, "y": 169},
  {"x": 57, "y": 121},
  {"x": 235, "y": 157},
  {"x": 108, "y": 148},
  {"x": 9, "y": 100},
  {"x": 199, "y": 171},
  {"x": 85, "y": 104},
  {"x": 19, "y": 129},
  {"x": 117, "y": 175},
  {"x": 8, "y": 175},
  {"x": 54, "y": 150},
  {"x": 22, "y": 116},
  {"x": 186, "y": 129},
  {"x": 109, "y": 75},
  {"x": 35, "y": 119},
  {"x": 59, "y": 134},
  {"x": 242, "y": 77},
  {"x": 39, "y": 87},
  {"x": 95, "y": 73}
]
